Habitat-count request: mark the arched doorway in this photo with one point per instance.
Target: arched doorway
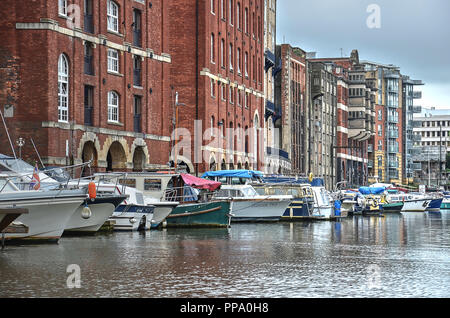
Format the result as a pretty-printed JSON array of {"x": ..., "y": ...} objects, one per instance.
[
  {"x": 212, "y": 164},
  {"x": 139, "y": 159},
  {"x": 89, "y": 153},
  {"x": 116, "y": 158},
  {"x": 223, "y": 166}
]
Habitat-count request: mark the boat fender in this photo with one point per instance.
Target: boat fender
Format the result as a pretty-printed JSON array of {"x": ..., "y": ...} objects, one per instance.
[
  {"x": 133, "y": 220},
  {"x": 92, "y": 191},
  {"x": 86, "y": 213}
]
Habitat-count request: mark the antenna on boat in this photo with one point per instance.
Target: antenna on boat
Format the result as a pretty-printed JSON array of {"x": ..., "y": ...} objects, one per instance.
[
  {"x": 7, "y": 133},
  {"x": 37, "y": 152}
]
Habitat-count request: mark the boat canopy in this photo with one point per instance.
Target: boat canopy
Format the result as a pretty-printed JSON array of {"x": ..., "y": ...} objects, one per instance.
[
  {"x": 316, "y": 182},
  {"x": 199, "y": 183},
  {"x": 246, "y": 174},
  {"x": 372, "y": 190}
]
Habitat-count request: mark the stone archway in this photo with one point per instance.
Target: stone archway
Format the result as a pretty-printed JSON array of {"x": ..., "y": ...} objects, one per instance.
[
  {"x": 89, "y": 153},
  {"x": 139, "y": 159},
  {"x": 116, "y": 158}
]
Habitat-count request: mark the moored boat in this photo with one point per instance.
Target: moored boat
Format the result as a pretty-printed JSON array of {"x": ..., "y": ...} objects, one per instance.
[
  {"x": 445, "y": 205},
  {"x": 435, "y": 205},
  {"x": 49, "y": 211},
  {"x": 301, "y": 206},
  {"x": 392, "y": 207},
  {"x": 196, "y": 209},
  {"x": 247, "y": 204}
]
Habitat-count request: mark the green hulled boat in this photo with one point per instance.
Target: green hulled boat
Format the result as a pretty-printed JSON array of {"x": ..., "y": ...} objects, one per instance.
[
  {"x": 209, "y": 214},
  {"x": 392, "y": 207},
  {"x": 196, "y": 209}
]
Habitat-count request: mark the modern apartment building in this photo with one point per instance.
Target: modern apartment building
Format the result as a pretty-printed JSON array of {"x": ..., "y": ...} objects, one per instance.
[
  {"x": 388, "y": 143},
  {"x": 87, "y": 81},
  {"x": 217, "y": 74},
  {"x": 355, "y": 118},
  {"x": 432, "y": 133}
]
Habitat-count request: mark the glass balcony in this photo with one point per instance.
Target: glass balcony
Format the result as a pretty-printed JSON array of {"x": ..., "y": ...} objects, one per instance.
[
  {"x": 393, "y": 119},
  {"x": 393, "y": 149},
  {"x": 392, "y": 134},
  {"x": 417, "y": 95}
]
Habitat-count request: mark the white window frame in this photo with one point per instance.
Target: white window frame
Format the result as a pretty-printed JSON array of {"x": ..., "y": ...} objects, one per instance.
[
  {"x": 63, "y": 89},
  {"x": 238, "y": 60},
  {"x": 113, "y": 61},
  {"x": 222, "y": 53},
  {"x": 212, "y": 7},
  {"x": 231, "y": 56},
  {"x": 62, "y": 7},
  {"x": 113, "y": 16},
  {"x": 113, "y": 107},
  {"x": 246, "y": 64},
  {"x": 212, "y": 48}
]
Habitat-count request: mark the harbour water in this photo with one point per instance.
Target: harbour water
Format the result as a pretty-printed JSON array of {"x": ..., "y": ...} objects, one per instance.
[{"x": 405, "y": 255}]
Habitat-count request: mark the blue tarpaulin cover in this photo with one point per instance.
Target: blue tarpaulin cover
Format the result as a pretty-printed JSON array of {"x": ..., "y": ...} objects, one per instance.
[
  {"x": 233, "y": 173},
  {"x": 372, "y": 190}
]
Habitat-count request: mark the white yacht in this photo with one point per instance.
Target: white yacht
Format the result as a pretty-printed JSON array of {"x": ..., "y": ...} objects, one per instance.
[
  {"x": 48, "y": 211},
  {"x": 100, "y": 208},
  {"x": 248, "y": 205},
  {"x": 412, "y": 202}
]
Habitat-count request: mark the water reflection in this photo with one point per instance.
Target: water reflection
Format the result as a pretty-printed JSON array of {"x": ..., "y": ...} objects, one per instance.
[{"x": 406, "y": 255}]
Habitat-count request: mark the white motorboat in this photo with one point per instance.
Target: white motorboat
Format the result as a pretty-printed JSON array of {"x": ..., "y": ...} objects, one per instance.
[
  {"x": 49, "y": 211},
  {"x": 412, "y": 202},
  {"x": 162, "y": 209},
  {"x": 100, "y": 208},
  {"x": 323, "y": 204},
  {"x": 248, "y": 205}
]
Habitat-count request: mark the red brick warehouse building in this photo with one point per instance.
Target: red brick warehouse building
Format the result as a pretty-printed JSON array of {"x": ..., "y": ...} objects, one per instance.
[
  {"x": 87, "y": 79},
  {"x": 217, "y": 50}
]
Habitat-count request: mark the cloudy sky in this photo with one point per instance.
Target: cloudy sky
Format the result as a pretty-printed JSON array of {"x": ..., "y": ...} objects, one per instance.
[{"x": 412, "y": 34}]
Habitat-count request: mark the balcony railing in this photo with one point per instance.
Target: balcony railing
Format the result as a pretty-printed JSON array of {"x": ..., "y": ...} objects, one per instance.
[
  {"x": 417, "y": 95},
  {"x": 270, "y": 60},
  {"x": 392, "y": 134},
  {"x": 274, "y": 151},
  {"x": 357, "y": 123},
  {"x": 416, "y": 166},
  {"x": 393, "y": 164},
  {"x": 393, "y": 149},
  {"x": 393, "y": 119},
  {"x": 417, "y": 109},
  {"x": 416, "y": 138},
  {"x": 416, "y": 124}
]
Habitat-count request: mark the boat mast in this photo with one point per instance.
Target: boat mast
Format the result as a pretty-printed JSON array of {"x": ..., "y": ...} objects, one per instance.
[{"x": 7, "y": 133}]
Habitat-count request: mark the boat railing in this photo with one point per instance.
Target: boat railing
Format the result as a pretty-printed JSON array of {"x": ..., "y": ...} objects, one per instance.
[{"x": 185, "y": 194}]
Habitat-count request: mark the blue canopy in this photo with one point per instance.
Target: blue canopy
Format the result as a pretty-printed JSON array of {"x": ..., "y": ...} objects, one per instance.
[
  {"x": 372, "y": 190},
  {"x": 317, "y": 182},
  {"x": 233, "y": 173}
]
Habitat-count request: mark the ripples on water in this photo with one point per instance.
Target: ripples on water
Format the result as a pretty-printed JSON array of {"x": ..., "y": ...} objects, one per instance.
[{"x": 397, "y": 256}]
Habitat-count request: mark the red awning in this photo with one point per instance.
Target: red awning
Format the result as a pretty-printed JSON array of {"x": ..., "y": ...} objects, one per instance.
[{"x": 199, "y": 183}]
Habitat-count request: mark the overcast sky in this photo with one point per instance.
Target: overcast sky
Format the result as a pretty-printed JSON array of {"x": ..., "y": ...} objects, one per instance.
[{"x": 412, "y": 34}]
